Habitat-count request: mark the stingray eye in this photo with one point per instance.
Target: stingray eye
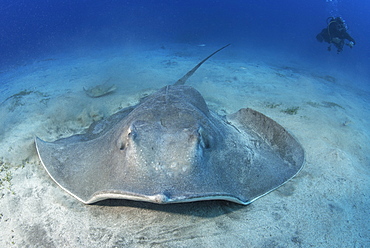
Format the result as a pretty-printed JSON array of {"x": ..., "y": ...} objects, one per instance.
[
  {"x": 132, "y": 133},
  {"x": 205, "y": 139}
]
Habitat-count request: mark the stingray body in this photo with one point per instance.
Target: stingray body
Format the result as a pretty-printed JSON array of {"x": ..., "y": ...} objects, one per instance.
[
  {"x": 100, "y": 90},
  {"x": 172, "y": 148}
]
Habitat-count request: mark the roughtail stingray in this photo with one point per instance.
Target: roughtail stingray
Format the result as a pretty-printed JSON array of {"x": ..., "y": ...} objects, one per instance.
[{"x": 171, "y": 148}]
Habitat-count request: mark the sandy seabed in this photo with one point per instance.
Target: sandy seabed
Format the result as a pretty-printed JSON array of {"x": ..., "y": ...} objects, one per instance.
[{"x": 325, "y": 205}]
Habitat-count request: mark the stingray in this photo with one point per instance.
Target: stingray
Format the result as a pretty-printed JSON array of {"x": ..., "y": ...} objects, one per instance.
[
  {"x": 172, "y": 148},
  {"x": 100, "y": 90}
]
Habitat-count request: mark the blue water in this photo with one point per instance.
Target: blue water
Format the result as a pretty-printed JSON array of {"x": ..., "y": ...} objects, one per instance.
[{"x": 32, "y": 28}]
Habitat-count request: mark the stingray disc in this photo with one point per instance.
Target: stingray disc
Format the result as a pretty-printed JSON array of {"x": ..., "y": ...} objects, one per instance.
[{"x": 172, "y": 148}]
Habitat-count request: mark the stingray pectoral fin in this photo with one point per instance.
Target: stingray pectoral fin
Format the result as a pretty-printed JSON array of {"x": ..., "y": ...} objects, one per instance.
[
  {"x": 70, "y": 164},
  {"x": 280, "y": 140},
  {"x": 280, "y": 155}
]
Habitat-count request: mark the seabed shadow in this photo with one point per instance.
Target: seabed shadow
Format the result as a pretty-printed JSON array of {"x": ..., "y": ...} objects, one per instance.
[{"x": 207, "y": 209}]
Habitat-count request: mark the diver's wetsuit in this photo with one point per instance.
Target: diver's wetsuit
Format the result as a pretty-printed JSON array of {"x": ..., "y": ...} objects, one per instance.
[{"x": 335, "y": 33}]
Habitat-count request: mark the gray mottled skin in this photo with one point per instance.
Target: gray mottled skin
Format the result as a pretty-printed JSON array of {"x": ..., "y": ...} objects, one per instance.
[{"x": 172, "y": 148}]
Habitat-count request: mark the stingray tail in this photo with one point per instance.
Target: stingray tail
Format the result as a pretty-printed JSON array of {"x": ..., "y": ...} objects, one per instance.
[{"x": 182, "y": 80}]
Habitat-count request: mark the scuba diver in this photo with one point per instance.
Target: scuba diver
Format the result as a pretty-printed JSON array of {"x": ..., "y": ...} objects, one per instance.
[{"x": 335, "y": 33}]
